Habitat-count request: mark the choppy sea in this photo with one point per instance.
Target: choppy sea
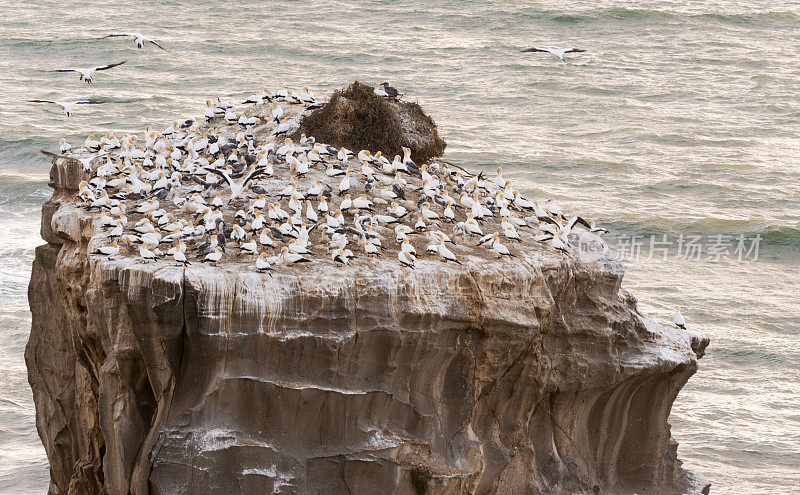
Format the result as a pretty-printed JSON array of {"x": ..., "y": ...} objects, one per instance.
[{"x": 678, "y": 129}]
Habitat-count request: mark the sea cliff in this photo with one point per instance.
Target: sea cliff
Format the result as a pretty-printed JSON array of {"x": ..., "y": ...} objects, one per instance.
[{"x": 532, "y": 376}]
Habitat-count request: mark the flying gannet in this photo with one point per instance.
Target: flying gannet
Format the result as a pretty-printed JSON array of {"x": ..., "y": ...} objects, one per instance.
[
  {"x": 67, "y": 105},
  {"x": 87, "y": 73},
  {"x": 138, "y": 37},
  {"x": 558, "y": 52}
]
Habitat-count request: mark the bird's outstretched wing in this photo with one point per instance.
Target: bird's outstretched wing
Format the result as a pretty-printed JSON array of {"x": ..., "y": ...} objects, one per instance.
[
  {"x": 574, "y": 50},
  {"x": 63, "y": 70},
  {"x": 87, "y": 102},
  {"x": 254, "y": 174},
  {"x": 549, "y": 220},
  {"x": 116, "y": 35},
  {"x": 534, "y": 49},
  {"x": 220, "y": 173},
  {"x": 579, "y": 220},
  {"x": 108, "y": 66},
  {"x": 40, "y": 101},
  {"x": 151, "y": 40}
]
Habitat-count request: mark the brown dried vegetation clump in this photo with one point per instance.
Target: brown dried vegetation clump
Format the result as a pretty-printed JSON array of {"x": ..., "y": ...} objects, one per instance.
[{"x": 357, "y": 119}]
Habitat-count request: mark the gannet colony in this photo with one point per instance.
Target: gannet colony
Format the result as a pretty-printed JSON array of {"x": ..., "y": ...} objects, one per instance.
[{"x": 235, "y": 188}]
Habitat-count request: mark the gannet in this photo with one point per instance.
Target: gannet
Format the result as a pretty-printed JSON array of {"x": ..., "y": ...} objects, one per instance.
[
  {"x": 306, "y": 96},
  {"x": 264, "y": 239},
  {"x": 109, "y": 251},
  {"x": 472, "y": 226},
  {"x": 254, "y": 98},
  {"x": 145, "y": 253},
  {"x": 365, "y": 156},
  {"x": 411, "y": 167},
  {"x": 117, "y": 231},
  {"x": 267, "y": 95},
  {"x": 362, "y": 203},
  {"x": 390, "y": 91},
  {"x": 393, "y": 167},
  {"x": 557, "y": 243},
  {"x": 499, "y": 180},
  {"x": 282, "y": 93},
  {"x": 558, "y": 52},
  {"x": 277, "y": 112},
  {"x": 139, "y": 38},
  {"x": 343, "y": 154},
  {"x": 231, "y": 115},
  {"x": 367, "y": 170},
  {"x": 214, "y": 256},
  {"x": 86, "y": 73},
  {"x": 380, "y": 91},
  {"x": 262, "y": 264},
  {"x": 179, "y": 257},
  {"x": 448, "y": 210},
  {"x": 64, "y": 146},
  {"x": 678, "y": 319},
  {"x": 346, "y": 203},
  {"x": 406, "y": 258},
  {"x": 292, "y": 257},
  {"x": 427, "y": 213},
  {"x": 552, "y": 208},
  {"x": 445, "y": 252},
  {"x": 237, "y": 185},
  {"x": 249, "y": 247},
  {"x": 344, "y": 186},
  {"x": 339, "y": 255},
  {"x": 67, "y": 105},
  {"x": 369, "y": 247},
  {"x": 509, "y": 230},
  {"x": 332, "y": 171},
  {"x": 499, "y": 248}
]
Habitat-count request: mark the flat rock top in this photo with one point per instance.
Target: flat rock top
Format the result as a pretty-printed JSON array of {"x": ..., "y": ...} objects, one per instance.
[{"x": 173, "y": 181}]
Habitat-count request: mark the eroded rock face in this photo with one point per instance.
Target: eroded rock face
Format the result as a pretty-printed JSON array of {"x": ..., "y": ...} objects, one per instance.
[{"x": 537, "y": 376}]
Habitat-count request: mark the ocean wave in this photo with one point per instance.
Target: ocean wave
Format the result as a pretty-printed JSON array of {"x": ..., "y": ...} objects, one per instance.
[
  {"x": 779, "y": 236},
  {"x": 643, "y": 14}
]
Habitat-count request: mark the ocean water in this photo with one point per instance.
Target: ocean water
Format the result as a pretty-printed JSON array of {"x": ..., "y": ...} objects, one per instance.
[{"x": 682, "y": 119}]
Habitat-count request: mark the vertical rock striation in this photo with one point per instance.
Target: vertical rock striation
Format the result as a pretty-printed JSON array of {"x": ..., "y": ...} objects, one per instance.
[{"x": 536, "y": 376}]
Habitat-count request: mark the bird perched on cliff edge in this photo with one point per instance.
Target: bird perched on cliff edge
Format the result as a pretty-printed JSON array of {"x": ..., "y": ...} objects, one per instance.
[
  {"x": 678, "y": 318},
  {"x": 390, "y": 90}
]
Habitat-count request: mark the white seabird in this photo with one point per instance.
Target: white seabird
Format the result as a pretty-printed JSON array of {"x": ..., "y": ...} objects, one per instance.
[
  {"x": 109, "y": 251},
  {"x": 138, "y": 37},
  {"x": 678, "y": 318},
  {"x": 86, "y": 73},
  {"x": 67, "y": 105},
  {"x": 558, "y": 52},
  {"x": 262, "y": 264},
  {"x": 380, "y": 91}
]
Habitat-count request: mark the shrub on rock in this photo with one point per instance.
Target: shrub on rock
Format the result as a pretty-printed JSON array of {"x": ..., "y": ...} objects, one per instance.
[{"x": 357, "y": 119}]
